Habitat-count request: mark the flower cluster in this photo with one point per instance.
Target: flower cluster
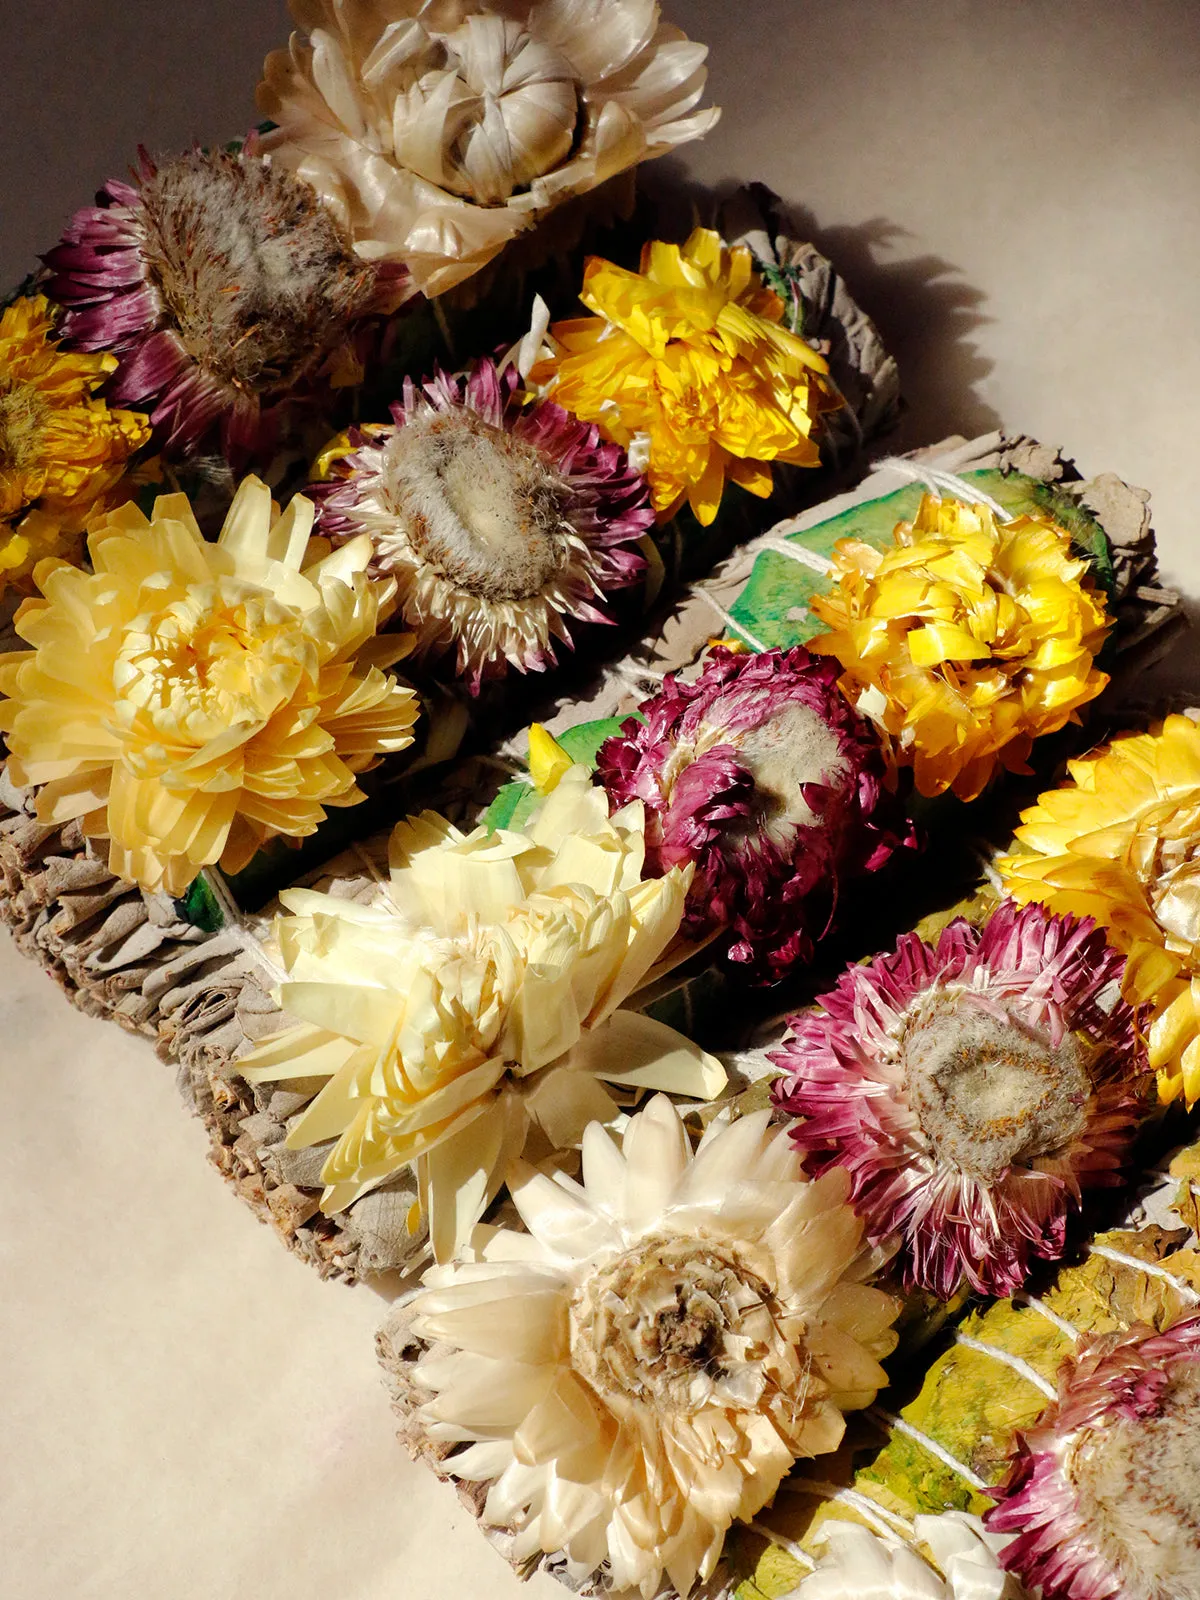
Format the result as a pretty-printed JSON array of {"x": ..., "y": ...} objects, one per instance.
[
  {"x": 971, "y": 1089},
  {"x": 688, "y": 364},
  {"x": 478, "y": 996},
  {"x": 760, "y": 776},
  {"x": 1102, "y": 1494},
  {"x": 1120, "y": 842},
  {"x": 436, "y": 133},
  {"x": 965, "y": 642},
  {"x": 644, "y": 1366},
  {"x": 63, "y": 450},
  {"x": 189, "y": 701},
  {"x": 500, "y": 523},
  {"x": 860, "y": 1565}
]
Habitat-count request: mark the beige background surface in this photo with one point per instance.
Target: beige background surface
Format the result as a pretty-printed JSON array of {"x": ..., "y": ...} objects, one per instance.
[{"x": 1012, "y": 188}]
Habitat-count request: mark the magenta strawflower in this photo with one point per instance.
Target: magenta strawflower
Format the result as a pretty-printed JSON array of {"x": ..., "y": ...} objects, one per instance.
[
  {"x": 219, "y": 284},
  {"x": 501, "y": 523},
  {"x": 972, "y": 1089},
  {"x": 1103, "y": 1494},
  {"x": 762, "y": 776}
]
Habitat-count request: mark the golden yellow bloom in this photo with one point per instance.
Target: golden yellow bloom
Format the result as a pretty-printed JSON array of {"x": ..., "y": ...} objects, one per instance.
[
  {"x": 966, "y": 641},
  {"x": 190, "y": 701},
  {"x": 62, "y": 451},
  {"x": 476, "y": 998},
  {"x": 1121, "y": 842},
  {"x": 688, "y": 367}
]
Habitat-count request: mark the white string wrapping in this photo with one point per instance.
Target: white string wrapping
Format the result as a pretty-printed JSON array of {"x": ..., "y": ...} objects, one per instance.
[
  {"x": 812, "y": 559},
  {"x": 1150, "y": 1268},
  {"x": 870, "y": 1510},
  {"x": 943, "y": 483},
  {"x": 934, "y": 1448},
  {"x": 792, "y": 1548},
  {"x": 1013, "y": 1363},
  {"x": 1043, "y": 1310},
  {"x": 728, "y": 620}
]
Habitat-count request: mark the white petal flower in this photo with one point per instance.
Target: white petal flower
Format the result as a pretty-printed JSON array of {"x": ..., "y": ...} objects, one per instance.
[
  {"x": 859, "y": 1565},
  {"x": 645, "y": 1366},
  {"x": 478, "y": 996},
  {"x": 438, "y": 130}
]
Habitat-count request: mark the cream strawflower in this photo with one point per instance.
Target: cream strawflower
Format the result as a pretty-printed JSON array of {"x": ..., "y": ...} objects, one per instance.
[
  {"x": 476, "y": 998},
  {"x": 859, "y": 1565},
  {"x": 189, "y": 701},
  {"x": 645, "y": 1367},
  {"x": 438, "y": 130}
]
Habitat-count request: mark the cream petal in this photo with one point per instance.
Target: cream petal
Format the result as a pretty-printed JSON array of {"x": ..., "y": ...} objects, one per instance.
[
  {"x": 638, "y": 1052},
  {"x": 531, "y": 1328},
  {"x": 657, "y": 1151},
  {"x": 567, "y": 1227},
  {"x": 565, "y": 1423},
  {"x": 603, "y": 1169},
  {"x": 487, "y": 1459},
  {"x": 465, "y": 1172},
  {"x": 565, "y": 1103},
  {"x": 481, "y": 1394}
]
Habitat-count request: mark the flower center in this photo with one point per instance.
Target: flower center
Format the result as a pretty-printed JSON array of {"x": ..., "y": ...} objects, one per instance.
[
  {"x": 22, "y": 412},
  {"x": 198, "y": 670},
  {"x": 1138, "y": 1486},
  {"x": 254, "y": 273},
  {"x": 677, "y": 1324},
  {"x": 989, "y": 1092},
  {"x": 480, "y": 506},
  {"x": 792, "y": 749},
  {"x": 490, "y": 110}
]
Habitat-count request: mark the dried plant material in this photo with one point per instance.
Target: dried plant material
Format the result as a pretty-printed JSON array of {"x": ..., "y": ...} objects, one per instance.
[
  {"x": 857, "y": 1564},
  {"x": 63, "y": 452},
  {"x": 437, "y": 132},
  {"x": 968, "y": 640},
  {"x": 642, "y": 1368},
  {"x": 972, "y": 1089},
  {"x": 189, "y": 701},
  {"x": 691, "y": 367},
  {"x": 477, "y": 997},
  {"x": 1118, "y": 842}
]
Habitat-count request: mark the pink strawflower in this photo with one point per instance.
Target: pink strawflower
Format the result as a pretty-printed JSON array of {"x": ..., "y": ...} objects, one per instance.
[
  {"x": 761, "y": 775},
  {"x": 219, "y": 283},
  {"x": 501, "y": 523},
  {"x": 1103, "y": 1494},
  {"x": 972, "y": 1089}
]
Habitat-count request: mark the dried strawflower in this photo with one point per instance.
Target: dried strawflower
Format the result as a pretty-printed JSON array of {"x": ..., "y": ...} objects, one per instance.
[
  {"x": 689, "y": 366},
  {"x": 966, "y": 641},
  {"x": 1121, "y": 842},
  {"x": 218, "y": 283},
  {"x": 189, "y": 701},
  {"x": 860, "y": 1565},
  {"x": 438, "y": 130},
  {"x": 62, "y": 451},
  {"x": 500, "y": 523},
  {"x": 762, "y": 776},
  {"x": 1103, "y": 1494},
  {"x": 646, "y": 1367},
  {"x": 476, "y": 997},
  {"x": 971, "y": 1089}
]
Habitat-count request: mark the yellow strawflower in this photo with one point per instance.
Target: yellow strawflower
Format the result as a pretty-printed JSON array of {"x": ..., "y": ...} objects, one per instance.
[
  {"x": 1121, "y": 842},
  {"x": 189, "y": 701},
  {"x": 62, "y": 451},
  {"x": 966, "y": 641},
  {"x": 686, "y": 364}
]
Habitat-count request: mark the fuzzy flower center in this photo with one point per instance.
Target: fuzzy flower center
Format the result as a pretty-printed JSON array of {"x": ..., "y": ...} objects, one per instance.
[
  {"x": 481, "y": 506},
  {"x": 676, "y": 1325},
  {"x": 254, "y": 273},
  {"x": 1138, "y": 1486},
  {"x": 22, "y": 414},
  {"x": 205, "y": 666},
  {"x": 504, "y": 107},
  {"x": 990, "y": 1092}
]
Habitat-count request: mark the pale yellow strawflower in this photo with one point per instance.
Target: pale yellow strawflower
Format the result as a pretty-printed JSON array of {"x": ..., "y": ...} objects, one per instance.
[
  {"x": 475, "y": 1000},
  {"x": 687, "y": 365},
  {"x": 1121, "y": 842},
  {"x": 439, "y": 130},
  {"x": 189, "y": 701},
  {"x": 643, "y": 1367},
  {"x": 63, "y": 452},
  {"x": 967, "y": 640}
]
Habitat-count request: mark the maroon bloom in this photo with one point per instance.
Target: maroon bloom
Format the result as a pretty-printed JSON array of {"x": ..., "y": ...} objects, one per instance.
[
  {"x": 1103, "y": 1494},
  {"x": 971, "y": 1089},
  {"x": 761, "y": 775},
  {"x": 219, "y": 284},
  {"x": 501, "y": 523}
]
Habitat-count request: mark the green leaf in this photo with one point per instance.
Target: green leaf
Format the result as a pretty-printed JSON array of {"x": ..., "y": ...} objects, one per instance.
[
  {"x": 200, "y": 906},
  {"x": 516, "y": 802}
]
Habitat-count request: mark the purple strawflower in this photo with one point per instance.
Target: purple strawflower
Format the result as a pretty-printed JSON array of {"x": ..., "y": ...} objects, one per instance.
[
  {"x": 1103, "y": 1495},
  {"x": 501, "y": 522},
  {"x": 971, "y": 1089},
  {"x": 219, "y": 284},
  {"x": 761, "y": 775}
]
